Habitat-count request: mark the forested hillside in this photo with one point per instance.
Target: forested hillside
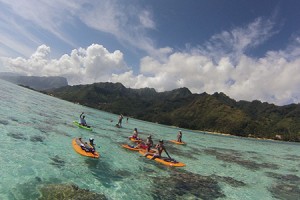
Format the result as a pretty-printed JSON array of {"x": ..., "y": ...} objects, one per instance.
[{"x": 179, "y": 107}]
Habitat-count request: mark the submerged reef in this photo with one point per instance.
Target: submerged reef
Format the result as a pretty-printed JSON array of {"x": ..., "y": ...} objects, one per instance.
[
  {"x": 285, "y": 191},
  {"x": 187, "y": 153},
  {"x": 105, "y": 174},
  {"x": 18, "y": 136},
  {"x": 37, "y": 138},
  {"x": 4, "y": 122},
  {"x": 183, "y": 184},
  {"x": 285, "y": 186},
  {"x": 229, "y": 180},
  {"x": 57, "y": 161},
  {"x": 237, "y": 159},
  {"x": 65, "y": 191}
]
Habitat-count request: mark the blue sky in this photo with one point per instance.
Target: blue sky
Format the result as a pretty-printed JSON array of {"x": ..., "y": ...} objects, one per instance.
[{"x": 247, "y": 49}]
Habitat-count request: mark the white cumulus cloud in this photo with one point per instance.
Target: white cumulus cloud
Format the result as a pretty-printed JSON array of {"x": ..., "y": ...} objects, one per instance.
[
  {"x": 222, "y": 65},
  {"x": 93, "y": 64},
  {"x": 273, "y": 77}
]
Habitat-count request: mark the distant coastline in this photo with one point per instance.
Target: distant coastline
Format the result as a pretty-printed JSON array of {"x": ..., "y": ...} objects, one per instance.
[
  {"x": 217, "y": 113},
  {"x": 252, "y": 137}
]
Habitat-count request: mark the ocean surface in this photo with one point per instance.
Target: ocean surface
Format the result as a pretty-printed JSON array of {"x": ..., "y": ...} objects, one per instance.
[{"x": 38, "y": 161}]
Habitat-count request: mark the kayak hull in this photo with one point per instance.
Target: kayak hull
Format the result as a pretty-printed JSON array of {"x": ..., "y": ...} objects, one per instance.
[
  {"x": 135, "y": 140},
  {"x": 80, "y": 126},
  {"x": 176, "y": 142},
  {"x": 126, "y": 146},
  {"x": 82, "y": 152},
  {"x": 163, "y": 161}
]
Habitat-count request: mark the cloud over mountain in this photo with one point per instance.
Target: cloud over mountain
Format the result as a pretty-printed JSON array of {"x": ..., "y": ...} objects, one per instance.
[
  {"x": 222, "y": 63},
  {"x": 81, "y": 66}
]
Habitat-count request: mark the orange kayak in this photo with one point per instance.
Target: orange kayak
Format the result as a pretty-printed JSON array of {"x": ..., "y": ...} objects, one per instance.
[
  {"x": 164, "y": 160},
  {"x": 130, "y": 147},
  {"x": 135, "y": 140},
  {"x": 127, "y": 146},
  {"x": 76, "y": 145},
  {"x": 176, "y": 142}
]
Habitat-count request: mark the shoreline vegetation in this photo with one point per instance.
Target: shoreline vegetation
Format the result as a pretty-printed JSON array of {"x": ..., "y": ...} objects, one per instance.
[
  {"x": 216, "y": 113},
  {"x": 278, "y": 137},
  {"x": 251, "y": 137}
]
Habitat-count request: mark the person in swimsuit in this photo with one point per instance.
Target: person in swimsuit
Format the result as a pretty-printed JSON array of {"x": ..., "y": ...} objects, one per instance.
[
  {"x": 120, "y": 121},
  {"x": 159, "y": 149},
  {"x": 149, "y": 143},
  {"x": 82, "y": 120},
  {"x": 135, "y": 134},
  {"x": 92, "y": 142},
  {"x": 179, "y": 136},
  {"x": 140, "y": 145},
  {"x": 87, "y": 147}
]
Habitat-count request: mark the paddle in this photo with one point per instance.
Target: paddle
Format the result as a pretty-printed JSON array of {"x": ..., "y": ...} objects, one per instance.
[
  {"x": 171, "y": 159},
  {"x": 168, "y": 154}
]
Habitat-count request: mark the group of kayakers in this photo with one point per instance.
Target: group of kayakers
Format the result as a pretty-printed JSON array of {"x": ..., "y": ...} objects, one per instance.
[
  {"x": 88, "y": 147},
  {"x": 147, "y": 145},
  {"x": 156, "y": 150}
]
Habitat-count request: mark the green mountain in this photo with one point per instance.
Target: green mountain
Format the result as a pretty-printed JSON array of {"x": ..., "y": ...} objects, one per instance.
[
  {"x": 35, "y": 82},
  {"x": 179, "y": 107}
]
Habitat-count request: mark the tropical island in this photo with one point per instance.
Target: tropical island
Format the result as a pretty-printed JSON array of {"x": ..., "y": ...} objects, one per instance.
[{"x": 212, "y": 113}]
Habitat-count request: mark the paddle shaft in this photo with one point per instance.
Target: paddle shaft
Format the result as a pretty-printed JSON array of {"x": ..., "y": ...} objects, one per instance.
[{"x": 168, "y": 154}]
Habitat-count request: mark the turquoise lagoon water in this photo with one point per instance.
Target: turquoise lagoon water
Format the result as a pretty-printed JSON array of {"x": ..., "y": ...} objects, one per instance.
[{"x": 36, "y": 151}]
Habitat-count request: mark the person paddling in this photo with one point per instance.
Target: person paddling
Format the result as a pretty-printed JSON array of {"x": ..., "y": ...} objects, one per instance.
[
  {"x": 82, "y": 120},
  {"x": 92, "y": 142},
  {"x": 140, "y": 145},
  {"x": 179, "y": 136},
  {"x": 88, "y": 147},
  {"x": 119, "y": 124},
  {"x": 135, "y": 134},
  {"x": 159, "y": 149},
  {"x": 149, "y": 143}
]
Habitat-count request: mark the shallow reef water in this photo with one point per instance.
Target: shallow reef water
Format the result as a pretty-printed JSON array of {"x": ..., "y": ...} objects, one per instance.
[
  {"x": 38, "y": 161},
  {"x": 182, "y": 184},
  {"x": 64, "y": 191}
]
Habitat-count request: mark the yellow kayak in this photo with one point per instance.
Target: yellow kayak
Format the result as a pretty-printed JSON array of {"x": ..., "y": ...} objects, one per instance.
[
  {"x": 176, "y": 142},
  {"x": 127, "y": 146},
  {"x": 164, "y": 160},
  {"x": 135, "y": 140},
  {"x": 130, "y": 147}
]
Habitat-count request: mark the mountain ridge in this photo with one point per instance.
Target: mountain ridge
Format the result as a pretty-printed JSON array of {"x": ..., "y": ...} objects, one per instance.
[
  {"x": 35, "y": 82},
  {"x": 181, "y": 108}
]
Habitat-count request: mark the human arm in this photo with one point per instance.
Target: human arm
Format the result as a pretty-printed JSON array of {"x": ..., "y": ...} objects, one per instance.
[{"x": 81, "y": 115}]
